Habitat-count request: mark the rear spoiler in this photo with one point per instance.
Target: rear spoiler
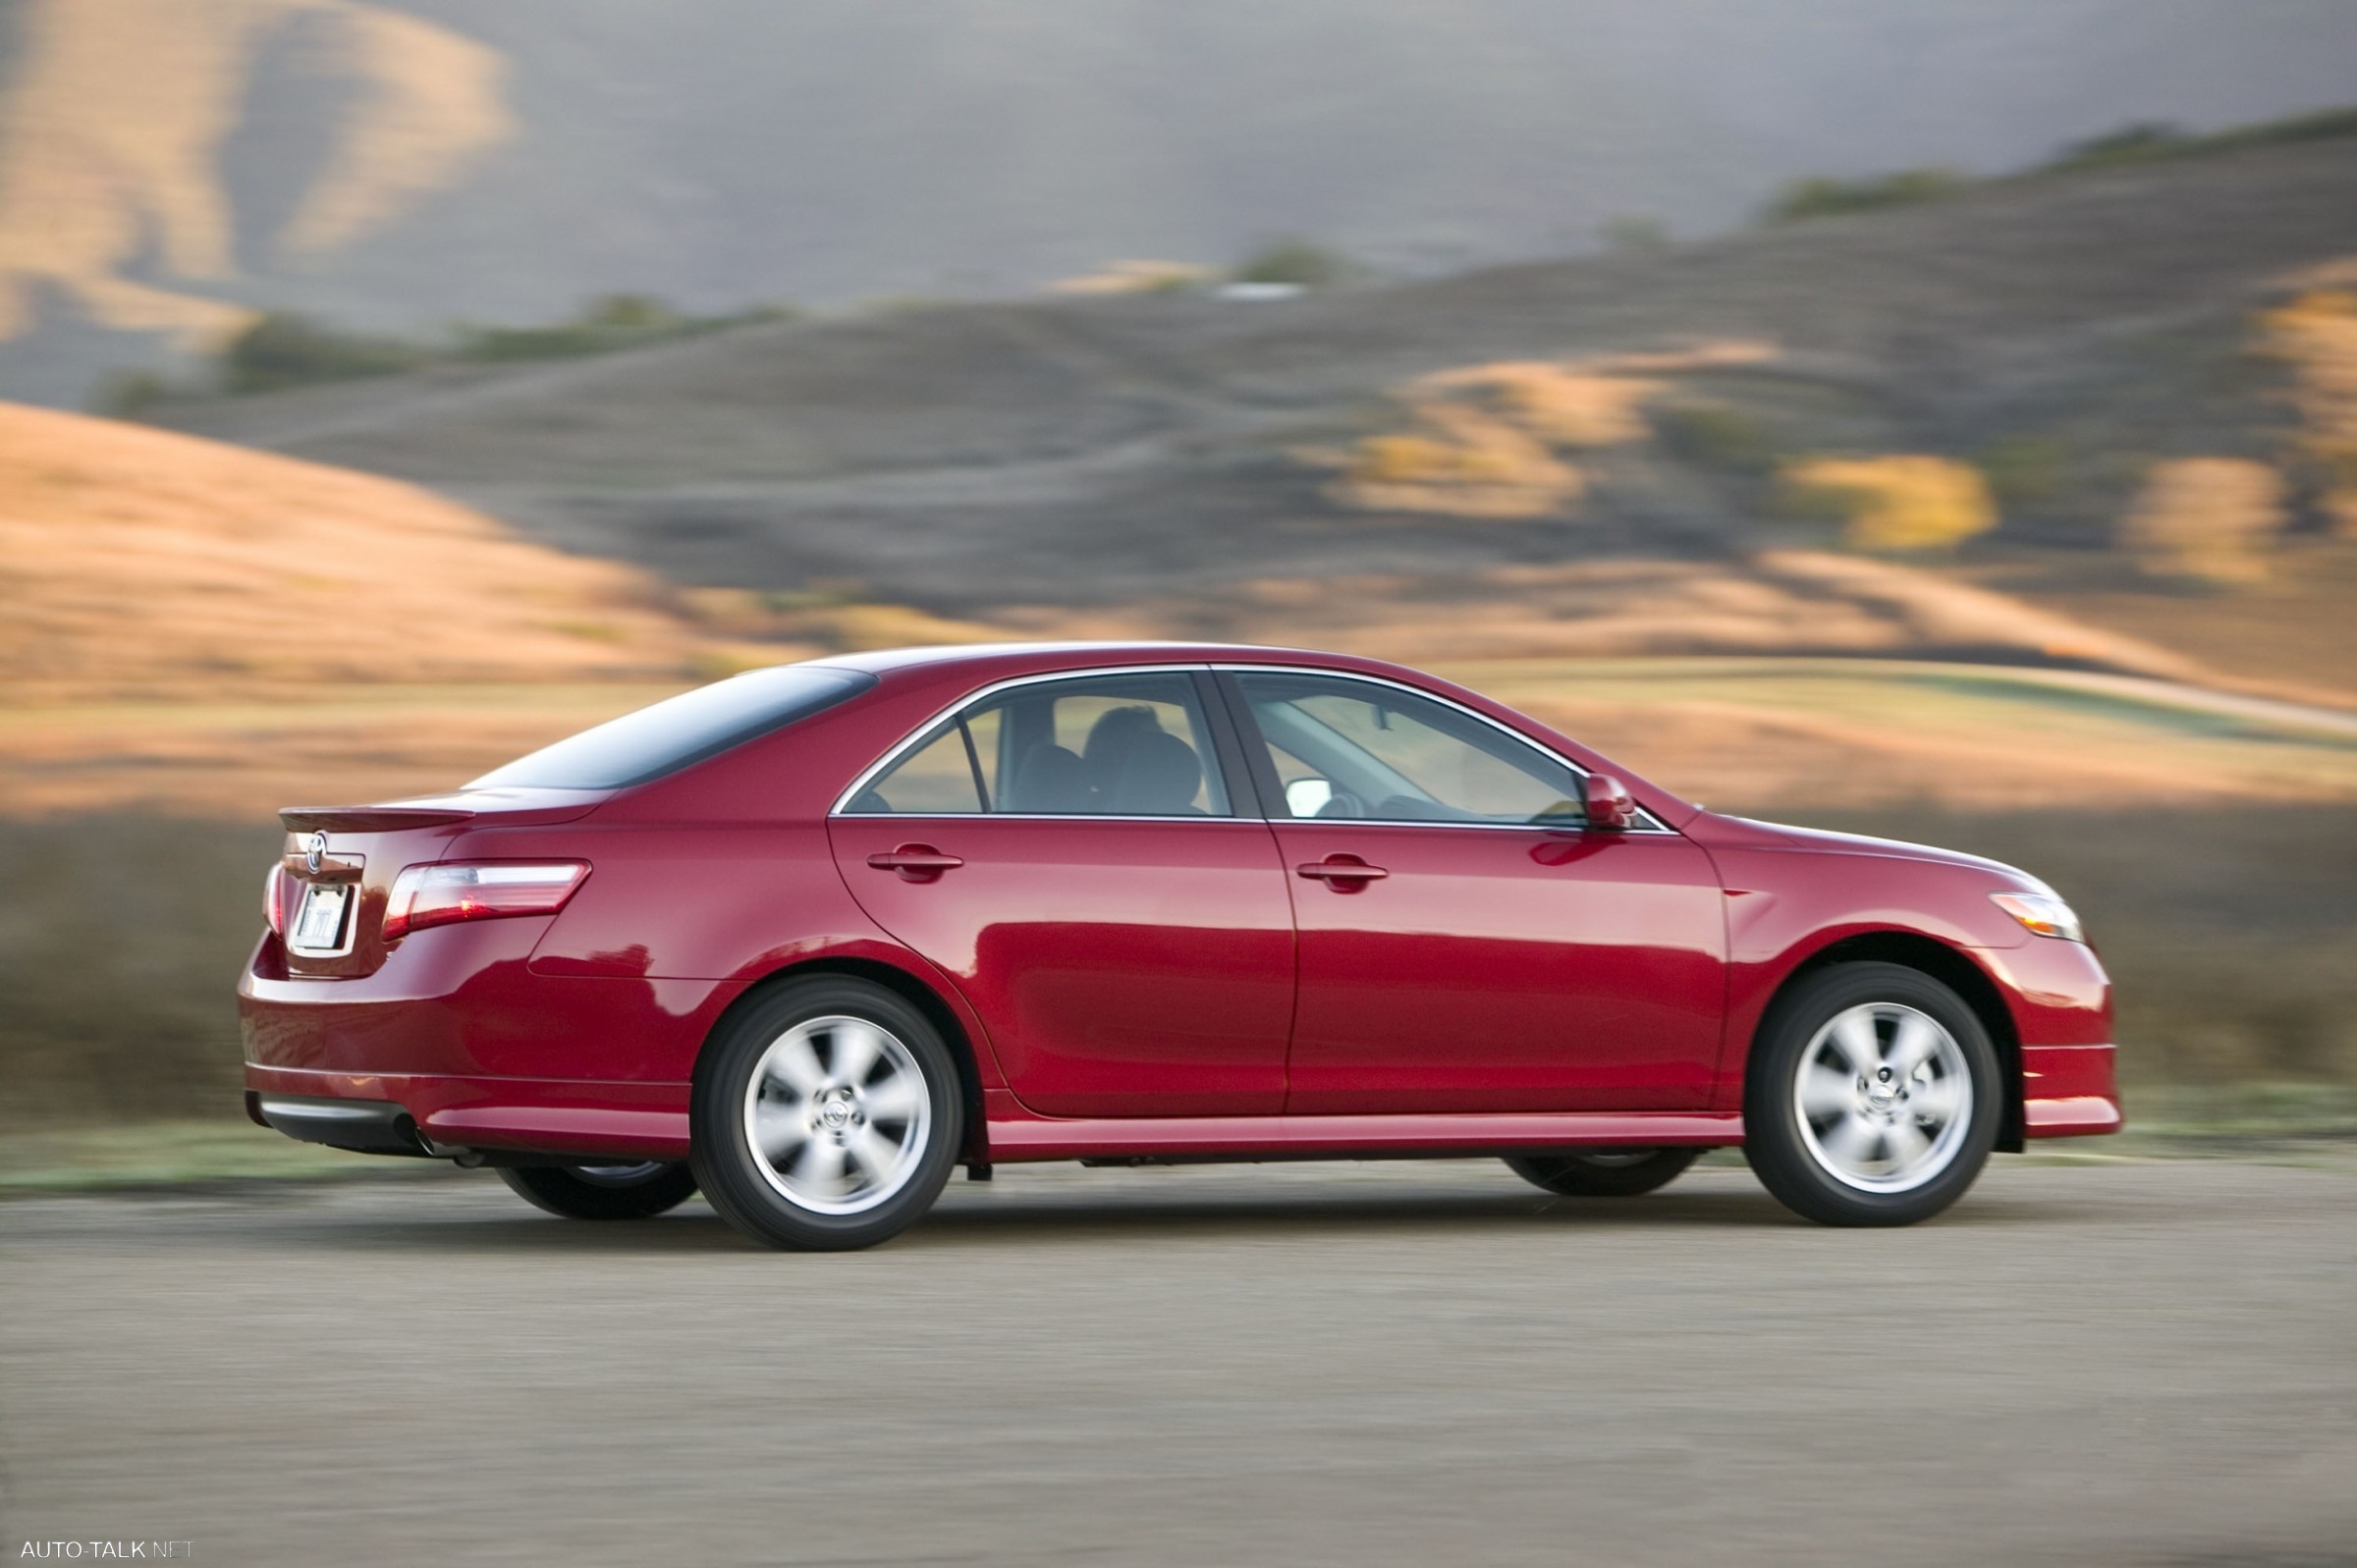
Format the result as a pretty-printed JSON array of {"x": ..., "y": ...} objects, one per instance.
[{"x": 368, "y": 818}]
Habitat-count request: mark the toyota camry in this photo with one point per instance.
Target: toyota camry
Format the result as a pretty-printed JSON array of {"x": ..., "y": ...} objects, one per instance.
[{"x": 812, "y": 937}]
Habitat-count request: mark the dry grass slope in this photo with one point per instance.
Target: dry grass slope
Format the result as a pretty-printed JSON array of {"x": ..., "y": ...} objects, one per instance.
[{"x": 137, "y": 562}]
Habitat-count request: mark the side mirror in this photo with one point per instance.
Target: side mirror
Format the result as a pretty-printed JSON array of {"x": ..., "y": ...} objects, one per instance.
[{"x": 1608, "y": 804}]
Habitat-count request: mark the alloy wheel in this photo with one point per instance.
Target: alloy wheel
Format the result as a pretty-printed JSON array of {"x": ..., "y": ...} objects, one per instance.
[
  {"x": 837, "y": 1114},
  {"x": 1885, "y": 1097}
]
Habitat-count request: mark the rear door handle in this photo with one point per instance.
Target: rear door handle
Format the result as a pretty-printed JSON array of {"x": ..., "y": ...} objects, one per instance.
[
  {"x": 1340, "y": 871},
  {"x": 915, "y": 862}
]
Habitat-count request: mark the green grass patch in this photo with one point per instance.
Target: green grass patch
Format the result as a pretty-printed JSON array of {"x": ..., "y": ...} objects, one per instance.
[
  {"x": 1823, "y": 197},
  {"x": 282, "y": 349},
  {"x": 2220, "y": 1116},
  {"x": 178, "y": 1154}
]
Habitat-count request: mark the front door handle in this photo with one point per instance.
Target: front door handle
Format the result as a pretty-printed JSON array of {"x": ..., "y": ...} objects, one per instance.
[
  {"x": 915, "y": 862},
  {"x": 1342, "y": 872}
]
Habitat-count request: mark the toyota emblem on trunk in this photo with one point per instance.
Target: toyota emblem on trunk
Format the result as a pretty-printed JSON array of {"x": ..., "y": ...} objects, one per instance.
[{"x": 315, "y": 851}]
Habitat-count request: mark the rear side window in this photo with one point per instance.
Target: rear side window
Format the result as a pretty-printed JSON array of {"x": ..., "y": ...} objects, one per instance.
[
  {"x": 1113, "y": 745},
  {"x": 688, "y": 727}
]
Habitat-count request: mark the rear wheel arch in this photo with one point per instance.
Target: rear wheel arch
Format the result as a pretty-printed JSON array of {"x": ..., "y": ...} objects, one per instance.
[
  {"x": 909, "y": 989},
  {"x": 1943, "y": 963}
]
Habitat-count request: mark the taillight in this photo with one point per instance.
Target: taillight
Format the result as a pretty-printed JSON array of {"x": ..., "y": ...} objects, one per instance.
[
  {"x": 477, "y": 889},
  {"x": 274, "y": 900}
]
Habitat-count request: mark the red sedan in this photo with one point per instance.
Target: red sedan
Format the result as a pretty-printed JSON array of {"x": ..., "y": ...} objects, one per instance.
[{"x": 809, "y": 938}]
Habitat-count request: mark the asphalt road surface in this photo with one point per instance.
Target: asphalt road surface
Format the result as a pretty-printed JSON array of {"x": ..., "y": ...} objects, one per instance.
[{"x": 2126, "y": 1362}]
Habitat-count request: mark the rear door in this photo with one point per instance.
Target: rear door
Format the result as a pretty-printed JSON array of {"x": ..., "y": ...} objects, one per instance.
[
  {"x": 1070, "y": 851},
  {"x": 1465, "y": 942}
]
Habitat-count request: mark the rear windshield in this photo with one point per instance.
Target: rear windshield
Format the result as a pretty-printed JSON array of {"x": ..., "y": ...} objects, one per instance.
[{"x": 677, "y": 731}]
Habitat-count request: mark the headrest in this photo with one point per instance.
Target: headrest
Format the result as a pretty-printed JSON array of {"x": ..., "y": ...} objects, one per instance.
[
  {"x": 1048, "y": 778},
  {"x": 1108, "y": 742},
  {"x": 1160, "y": 774}
]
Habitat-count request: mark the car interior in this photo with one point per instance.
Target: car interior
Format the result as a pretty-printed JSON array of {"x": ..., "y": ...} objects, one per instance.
[
  {"x": 1131, "y": 745},
  {"x": 1128, "y": 765}
]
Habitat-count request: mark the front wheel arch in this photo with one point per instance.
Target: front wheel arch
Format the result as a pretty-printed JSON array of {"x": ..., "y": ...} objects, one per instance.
[
  {"x": 1943, "y": 963},
  {"x": 912, "y": 990}
]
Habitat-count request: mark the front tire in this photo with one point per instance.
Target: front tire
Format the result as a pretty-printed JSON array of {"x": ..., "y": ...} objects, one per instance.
[
  {"x": 1604, "y": 1172},
  {"x": 1873, "y": 1097},
  {"x": 632, "y": 1191},
  {"x": 827, "y": 1116}
]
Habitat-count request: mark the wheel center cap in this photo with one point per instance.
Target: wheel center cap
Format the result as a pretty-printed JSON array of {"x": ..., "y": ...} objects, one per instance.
[{"x": 836, "y": 1115}]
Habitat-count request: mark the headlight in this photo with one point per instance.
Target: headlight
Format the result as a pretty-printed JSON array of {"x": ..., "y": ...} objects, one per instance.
[{"x": 2044, "y": 913}]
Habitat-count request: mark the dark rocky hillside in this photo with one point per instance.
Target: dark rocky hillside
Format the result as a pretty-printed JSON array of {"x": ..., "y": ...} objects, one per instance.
[{"x": 2048, "y": 344}]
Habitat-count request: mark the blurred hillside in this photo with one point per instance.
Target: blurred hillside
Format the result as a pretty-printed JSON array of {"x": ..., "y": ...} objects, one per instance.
[
  {"x": 2098, "y": 417},
  {"x": 210, "y": 630},
  {"x": 166, "y": 165}
]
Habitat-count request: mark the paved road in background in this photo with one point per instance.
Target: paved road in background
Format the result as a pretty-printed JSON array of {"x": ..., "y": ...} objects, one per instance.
[{"x": 2129, "y": 1363}]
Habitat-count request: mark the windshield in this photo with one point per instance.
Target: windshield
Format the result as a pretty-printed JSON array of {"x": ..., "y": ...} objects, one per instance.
[{"x": 688, "y": 727}]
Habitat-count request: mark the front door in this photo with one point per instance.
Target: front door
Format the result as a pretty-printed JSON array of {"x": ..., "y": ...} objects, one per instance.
[
  {"x": 1065, "y": 850},
  {"x": 1466, "y": 944}
]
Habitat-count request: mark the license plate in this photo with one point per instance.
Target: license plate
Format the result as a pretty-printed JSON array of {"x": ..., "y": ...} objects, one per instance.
[{"x": 319, "y": 922}]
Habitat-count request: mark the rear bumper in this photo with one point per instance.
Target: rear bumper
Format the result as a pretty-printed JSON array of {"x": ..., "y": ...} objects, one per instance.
[
  {"x": 415, "y": 1113},
  {"x": 454, "y": 1045},
  {"x": 2068, "y": 1091},
  {"x": 364, "y": 1126},
  {"x": 460, "y": 1001}
]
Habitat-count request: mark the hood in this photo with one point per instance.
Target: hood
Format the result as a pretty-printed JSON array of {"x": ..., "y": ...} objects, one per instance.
[{"x": 1744, "y": 832}]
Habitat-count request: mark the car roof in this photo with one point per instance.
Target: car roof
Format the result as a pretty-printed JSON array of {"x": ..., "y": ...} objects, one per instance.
[{"x": 1025, "y": 658}]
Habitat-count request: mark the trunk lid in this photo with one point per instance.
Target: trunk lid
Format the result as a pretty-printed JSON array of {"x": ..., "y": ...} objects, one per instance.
[{"x": 337, "y": 867}]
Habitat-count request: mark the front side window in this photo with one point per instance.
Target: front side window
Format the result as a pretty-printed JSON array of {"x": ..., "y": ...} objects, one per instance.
[
  {"x": 1358, "y": 749},
  {"x": 1121, "y": 745}
]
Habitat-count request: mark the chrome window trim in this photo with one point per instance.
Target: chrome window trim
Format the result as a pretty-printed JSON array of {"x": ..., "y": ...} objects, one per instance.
[
  {"x": 1655, "y": 831},
  {"x": 1650, "y": 823},
  {"x": 1650, "y": 826},
  {"x": 1029, "y": 816},
  {"x": 884, "y": 764}
]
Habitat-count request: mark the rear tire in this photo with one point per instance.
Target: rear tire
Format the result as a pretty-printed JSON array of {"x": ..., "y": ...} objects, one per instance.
[
  {"x": 827, "y": 1116},
  {"x": 626, "y": 1191},
  {"x": 1873, "y": 1097},
  {"x": 1604, "y": 1172}
]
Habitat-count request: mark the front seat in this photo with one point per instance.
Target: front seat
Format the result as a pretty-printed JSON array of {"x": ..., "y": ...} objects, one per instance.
[{"x": 1157, "y": 776}]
